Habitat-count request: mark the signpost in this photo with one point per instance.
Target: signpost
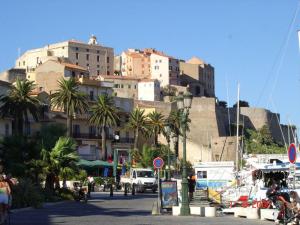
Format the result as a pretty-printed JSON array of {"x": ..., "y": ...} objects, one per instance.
[
  {"x": 292, "y": 154},
  {"x": 158, "y": 163}
]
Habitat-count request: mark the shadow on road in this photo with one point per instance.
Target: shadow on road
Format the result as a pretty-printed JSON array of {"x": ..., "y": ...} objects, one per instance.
[{"x": 78, "y": 212}]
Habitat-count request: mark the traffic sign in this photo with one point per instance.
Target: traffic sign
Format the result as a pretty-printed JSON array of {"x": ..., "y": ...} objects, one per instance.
[
  {"x": 292, "y": 153},
  {"x": 158, "y": 163}
]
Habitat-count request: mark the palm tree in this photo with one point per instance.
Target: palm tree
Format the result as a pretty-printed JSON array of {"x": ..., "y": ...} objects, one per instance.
[
  {"x": 19, "y": 103},
  {"x": 138, "y": 123},
  {"x": 104, "y": 114},
  {"x": 69, "y": 99},
  {"x": 156, "y": 122},
  {"x": 61, "y": 160}
]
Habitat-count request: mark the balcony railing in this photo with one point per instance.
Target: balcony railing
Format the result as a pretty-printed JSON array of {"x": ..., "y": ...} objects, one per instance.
[
  {"x": 124, "y": 140},
  {"x": 86, "y": 136}
]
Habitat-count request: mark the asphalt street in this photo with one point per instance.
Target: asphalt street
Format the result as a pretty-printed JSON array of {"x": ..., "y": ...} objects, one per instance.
[{"x": 116, "y": 210}]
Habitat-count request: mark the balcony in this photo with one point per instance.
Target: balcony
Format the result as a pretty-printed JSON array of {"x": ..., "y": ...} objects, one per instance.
[
  {"x": 124, "y": 141},
  {"x": 86, "y": 136}
]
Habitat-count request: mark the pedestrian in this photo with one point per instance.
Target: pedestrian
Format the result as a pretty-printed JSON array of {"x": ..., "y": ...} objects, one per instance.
[
  {"x": 90, "y": 184},
  {"x": 191, "y": 184},
  {"x": 4, "y": 198}
]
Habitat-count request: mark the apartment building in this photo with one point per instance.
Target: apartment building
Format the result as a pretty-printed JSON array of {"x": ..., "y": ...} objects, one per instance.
[
  {"x": 92, "y": 56},
  {"x": 199, "y": 76},
  {"x": 47, "y": 74},
  {"x": 134, "y": 63},
  {"x": 5, "y": 123},
  {"x": 149, "y": 90},
  {"x": 148, "y": 64}
]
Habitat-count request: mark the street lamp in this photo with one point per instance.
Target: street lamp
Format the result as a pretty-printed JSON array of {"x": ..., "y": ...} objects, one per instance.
[
  {"x": 168, "y": 134},
  {"x": 184, "y": 103}
]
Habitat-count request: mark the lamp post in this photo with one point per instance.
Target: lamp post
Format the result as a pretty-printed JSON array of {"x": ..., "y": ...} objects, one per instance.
[
  {"x": 184, "y": 103},
  {"x": 168, "y": 134},
  {"x": 175, "y": 140}
]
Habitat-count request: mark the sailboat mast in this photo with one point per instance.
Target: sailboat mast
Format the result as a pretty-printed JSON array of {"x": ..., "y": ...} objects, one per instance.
[{"x": 237, "y": 129}]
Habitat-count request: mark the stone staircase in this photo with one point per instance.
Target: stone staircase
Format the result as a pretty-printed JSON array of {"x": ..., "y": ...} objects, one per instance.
[{"x": 200, "y": 198}]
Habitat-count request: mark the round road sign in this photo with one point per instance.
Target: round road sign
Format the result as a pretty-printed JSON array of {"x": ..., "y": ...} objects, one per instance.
[
  {"x": 158, "y": 163},
  {"x": 292, "y": 153}
]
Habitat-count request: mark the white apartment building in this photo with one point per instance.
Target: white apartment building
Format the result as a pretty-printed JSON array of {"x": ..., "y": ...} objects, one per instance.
[
  {"x": 149, "y": 90},
  {"x": 92, "y": 56}
]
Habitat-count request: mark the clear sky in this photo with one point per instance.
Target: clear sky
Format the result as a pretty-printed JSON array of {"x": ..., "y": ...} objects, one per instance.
[{"x": 245, "y": 40}]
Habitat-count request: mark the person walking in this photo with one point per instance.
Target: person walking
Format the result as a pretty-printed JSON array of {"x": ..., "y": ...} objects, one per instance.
[
  {"x": 191, "y": 184},
  {"x": 4, "y": 198}
]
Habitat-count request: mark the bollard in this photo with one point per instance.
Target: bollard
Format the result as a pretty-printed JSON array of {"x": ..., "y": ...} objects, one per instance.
[
  {"x": 125, "y": 190},
  {"x": 133, "y": 190},
  {"x": 111, "y": 191}
]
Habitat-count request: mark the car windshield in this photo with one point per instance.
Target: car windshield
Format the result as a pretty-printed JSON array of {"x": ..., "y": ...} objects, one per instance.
[{"x": 145, "y": 174}]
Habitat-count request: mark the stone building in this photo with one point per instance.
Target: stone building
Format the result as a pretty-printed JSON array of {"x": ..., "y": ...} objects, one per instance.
[
  {"x": 5, "y": 123},
  {"x": 12, "y": 74},
  {"x": 199, "y": 76},
  {"x": 92, "y": 56}
]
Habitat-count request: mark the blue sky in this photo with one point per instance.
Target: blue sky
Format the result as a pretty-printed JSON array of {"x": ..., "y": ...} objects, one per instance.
[{"x": 243, "y": 40}]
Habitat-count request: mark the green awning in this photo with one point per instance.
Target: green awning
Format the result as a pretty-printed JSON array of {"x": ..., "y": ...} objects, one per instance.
[{"x": 93, "y": 163}]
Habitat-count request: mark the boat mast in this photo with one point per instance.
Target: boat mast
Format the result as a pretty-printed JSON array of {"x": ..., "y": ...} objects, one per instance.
[{"x": 237, "y": 129}]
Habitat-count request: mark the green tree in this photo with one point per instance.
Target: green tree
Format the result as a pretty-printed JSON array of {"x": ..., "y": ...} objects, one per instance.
[
  {"x": 261, "y": 142},
  {"x": 69, "y": 99},
  {"x": 61, "y": 161},
  {"x": 138, "y": 123},
  {"x": 156, "y": 123},
  {"x": 104, "y": 115},
  {"x": 19, "y": 104},
  {"x": 50, "y": 133}
]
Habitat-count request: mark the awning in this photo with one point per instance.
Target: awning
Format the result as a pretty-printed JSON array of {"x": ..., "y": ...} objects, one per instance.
[{"x": 93, "y": 163}]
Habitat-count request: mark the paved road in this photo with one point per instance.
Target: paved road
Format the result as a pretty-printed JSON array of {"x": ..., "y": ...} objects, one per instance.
[{"x": 118, "y": 210}]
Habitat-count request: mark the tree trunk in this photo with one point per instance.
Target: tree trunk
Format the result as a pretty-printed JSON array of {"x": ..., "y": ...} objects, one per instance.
[
  {"x": 50, "y": 182},
  {"x": 64, "y": 182},
  {"x": 155, "y": 139},
  {"x": 104, "y": 151},
  {"x": 69, "y": 126},
  {"x": 136, "y": 137}
]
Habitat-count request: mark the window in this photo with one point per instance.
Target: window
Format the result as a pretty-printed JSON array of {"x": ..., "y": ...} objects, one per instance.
[
  {"x": 129, "y": 86},
  {"x": 98, "y": 66},
  {"x": 77, "y": 63},
  {"x": 160, "y": 60},
  {"x": 23, "y": 63},
  {"x": 6, "y": 129},
  {"x": 134, "y": 86},
  {"x": 107, "y": 59},
  {"x": 98, "y": 72},
  {"x": 76, "y": 48},
  {"x": 98, "y": 58},
  {"x": 160, "y": 75},
  {"x": 108, "y": 73},
  {"x": 40, "y": 88},
  {"x": 87, "y": 65},
  {"x": 37, "y": 60},
  {"x": 116, "y": 86},
  {"x": 77, "y": 55},
  {"x": 87, "y": 56},
  {"x": 92, "y": 131},
  {"x": 201, "y": 174},
  {"x": 87, "y": 50},
  {"x": 122, "y": 86},
  {"x": 92, "y": 95},
  {"x": 19, "y": 63},
  {"x": 73, "y": 74},
  {"x": 76, "y": 129},
  {"x": 170, "y": 67}
]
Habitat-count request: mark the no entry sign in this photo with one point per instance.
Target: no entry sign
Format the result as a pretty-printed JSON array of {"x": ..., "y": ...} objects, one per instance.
[
  {"x": 158, "y": 163},
  {"x": 292, "y": 153}
]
